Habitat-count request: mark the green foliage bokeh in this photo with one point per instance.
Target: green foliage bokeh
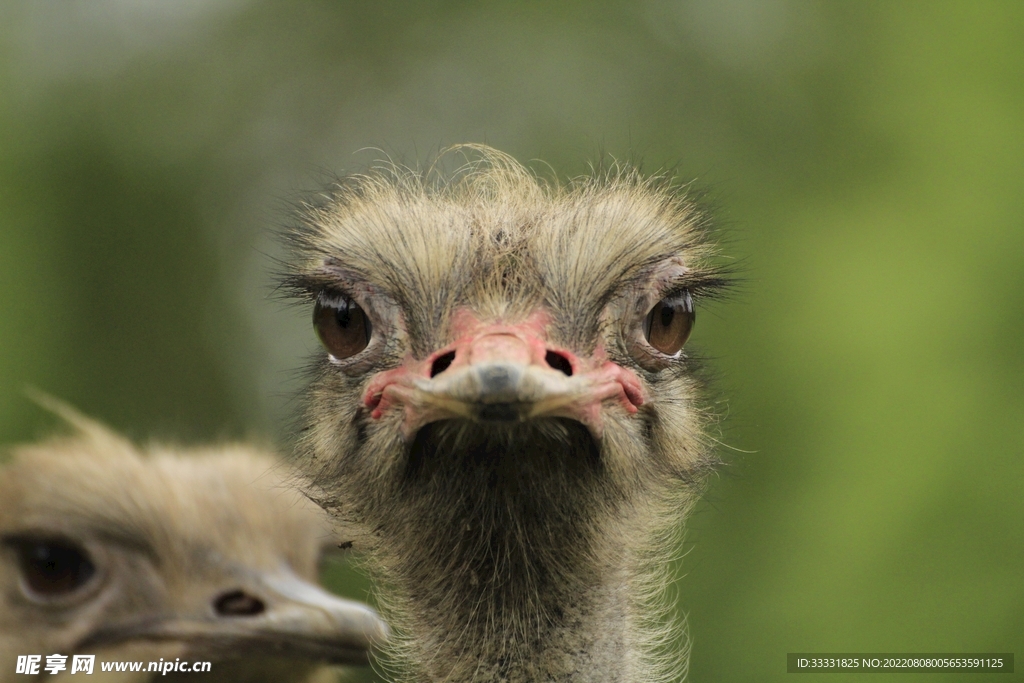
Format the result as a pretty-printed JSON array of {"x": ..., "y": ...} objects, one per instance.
[{"x": 866, "y": 161}]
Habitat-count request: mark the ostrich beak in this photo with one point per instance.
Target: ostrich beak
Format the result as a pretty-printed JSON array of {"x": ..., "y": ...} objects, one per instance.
[
  {"x": 276, "y": 615},
  {"x": 504, "y": 374}
]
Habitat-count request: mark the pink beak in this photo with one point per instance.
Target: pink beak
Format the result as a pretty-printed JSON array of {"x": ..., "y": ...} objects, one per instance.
[{"x": 503, "y": 374}]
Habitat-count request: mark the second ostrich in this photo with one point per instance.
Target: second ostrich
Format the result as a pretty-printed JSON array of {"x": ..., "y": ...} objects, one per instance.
[
  {"x": 506, "y": 412},
  {"x": 135, "y": 554}
]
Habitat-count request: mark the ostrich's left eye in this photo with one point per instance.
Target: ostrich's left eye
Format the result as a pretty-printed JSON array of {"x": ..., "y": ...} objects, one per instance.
[
  {"x": 52, "y": 568},
  {"x": 668, "y": 325},
  {"x": 341, "y": 324}
]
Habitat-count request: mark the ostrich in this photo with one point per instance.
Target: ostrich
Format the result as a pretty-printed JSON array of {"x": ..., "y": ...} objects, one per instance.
[
  {"x": 194, "y": 555},
  {"x": 505, "y": 411}
]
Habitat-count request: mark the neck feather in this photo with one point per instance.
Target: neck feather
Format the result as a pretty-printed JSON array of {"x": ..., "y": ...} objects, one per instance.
[{"x": 511, "y": 557}]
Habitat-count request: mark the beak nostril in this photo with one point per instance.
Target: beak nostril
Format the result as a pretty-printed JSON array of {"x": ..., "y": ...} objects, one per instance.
[
  {"x": 441, "y": 363},
  {"x": 559, "y": 362},
  {"x": 238, "y": 604}
]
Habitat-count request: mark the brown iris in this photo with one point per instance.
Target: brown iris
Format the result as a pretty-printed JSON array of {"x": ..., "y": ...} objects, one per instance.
[
  {"x": 342, "y": 326},
  {"x": 668, "y": 325},
  {"x": 51, "y": 568}
]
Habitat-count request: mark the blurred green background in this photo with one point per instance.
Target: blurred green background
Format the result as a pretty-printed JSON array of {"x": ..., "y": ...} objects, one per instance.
[{"x": 865, "y": 159}]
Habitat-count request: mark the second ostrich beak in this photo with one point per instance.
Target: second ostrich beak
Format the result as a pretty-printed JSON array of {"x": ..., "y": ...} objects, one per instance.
[{"x": 275, "y": 612}]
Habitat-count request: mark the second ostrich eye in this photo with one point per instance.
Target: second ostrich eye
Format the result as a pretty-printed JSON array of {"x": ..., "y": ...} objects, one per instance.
[
  {"x": 52, "y": 568},
  {"x": 341, "y": 324},
  {"x": 668, "y": 325}
]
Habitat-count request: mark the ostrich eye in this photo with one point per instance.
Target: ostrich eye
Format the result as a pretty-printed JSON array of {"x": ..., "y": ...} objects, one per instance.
[
  {"x": 52, "y": 568},
  {"x": 342, "y": 326},
  {"x": 668, "y": 325}
]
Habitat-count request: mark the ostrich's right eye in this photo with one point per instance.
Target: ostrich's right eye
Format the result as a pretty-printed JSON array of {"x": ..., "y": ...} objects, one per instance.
[
  {"x": 342, "y": 326},
  {"x": 52, "y": 568},
  {"x": 668, "y": 325}
]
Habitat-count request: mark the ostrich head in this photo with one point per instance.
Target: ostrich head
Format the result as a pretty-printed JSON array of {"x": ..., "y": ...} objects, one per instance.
[
  {"x": 204, "y": 554},
  {"x": 506, "y": 410}
]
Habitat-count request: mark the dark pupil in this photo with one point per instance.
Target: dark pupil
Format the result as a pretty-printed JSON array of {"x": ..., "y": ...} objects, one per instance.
[
  {"x": 53, "y": 568},
  {"x": 344, "y": 316},
  {"x": 667, "y": 313}
]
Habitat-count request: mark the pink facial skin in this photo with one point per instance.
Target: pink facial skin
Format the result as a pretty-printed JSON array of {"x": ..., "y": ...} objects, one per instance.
[{"x": 539, "y": 389}]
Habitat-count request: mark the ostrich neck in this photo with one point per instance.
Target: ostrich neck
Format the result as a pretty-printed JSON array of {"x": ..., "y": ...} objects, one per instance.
[
  {"x": 515, "y": 560},
  {"x": 584, "y": 637}
]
